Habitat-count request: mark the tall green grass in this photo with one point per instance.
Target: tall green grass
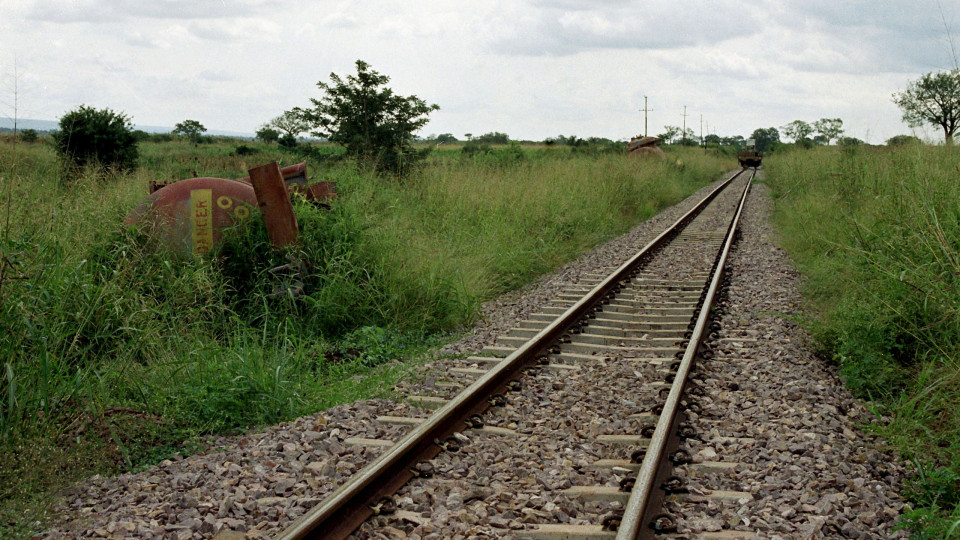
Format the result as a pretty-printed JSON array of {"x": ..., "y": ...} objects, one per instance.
[
  {"x": 876, "y": 232},
  {"x": 116, "y": 353}
]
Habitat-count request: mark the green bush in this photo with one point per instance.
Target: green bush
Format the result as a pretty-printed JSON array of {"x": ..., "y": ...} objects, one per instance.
[
  {"x": 375, "y": 124},
  {"x": 29, "y": 136},
  {"x": 244, "y": 150},
  {"x": 96, "y": 136}
]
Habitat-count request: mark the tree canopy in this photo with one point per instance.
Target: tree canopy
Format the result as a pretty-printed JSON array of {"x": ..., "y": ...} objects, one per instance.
[
  {"x": 797, "y": 130},
  {"x": 765, "y": 138},
  {"x": 368, "y": 118},
  {"x": 830, "y": 128},
  {"x": 191, "y": 129},
  {"x": 494, "y": 137},
  {"x": 932, "y": 99},
  {"x": 268, "y": 134},
  {"x": 290, "y": 123},
  {"x": 669, "y": 133},
  {"x": 101, "y": 136},
  {"x": 903, "y": 140}
]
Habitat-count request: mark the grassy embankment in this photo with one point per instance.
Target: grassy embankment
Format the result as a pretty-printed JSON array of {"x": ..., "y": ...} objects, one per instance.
[
  {"x": 876, "y": 232},
  {"x": 116, "y": 354}
]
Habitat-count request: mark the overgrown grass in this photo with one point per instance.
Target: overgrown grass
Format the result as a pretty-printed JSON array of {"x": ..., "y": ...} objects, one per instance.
[
  {"x": 117, "y": 353},
  {"x": 877, "y": 234}
]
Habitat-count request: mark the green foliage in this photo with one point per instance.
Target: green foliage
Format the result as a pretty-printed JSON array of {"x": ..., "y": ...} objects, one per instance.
[
  {"x": 591, "y": 144},
  {"x": 365, "y": 116},
  {"x": 29, "y": 136},
  {"x": 669, "y": 134},
  {"x": 903, "y": 140},
  {"x": 798, "y": 130},
  {"x": 244, "y": 150},
  {"x": 103, "y": 323},
  {"x": 267, "y": 134},
  {"x": 933, "y": 99},
  {"x": 287, "y": 141},
  {"x": 190, "y": 129},
  {"x": 96, "y": 136},
  {"x": 850, "y": 141},
  {"x": 766, "y": 139},
  {"x": 876, "y": 231},
  {"x": 483, "y": 152},
  {"x": 829, "y": 128},
  {"x": 290, "y": 123},
  {"x": 473, "y": 148},
  {"x": 494, "y": 137}
]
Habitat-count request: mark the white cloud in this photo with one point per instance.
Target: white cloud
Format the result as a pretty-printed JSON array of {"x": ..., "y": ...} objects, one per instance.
[
  {"x": 531, "y": 68},
  {"x": 567, "y": 28},
  {"x": 111, "y": 11}
]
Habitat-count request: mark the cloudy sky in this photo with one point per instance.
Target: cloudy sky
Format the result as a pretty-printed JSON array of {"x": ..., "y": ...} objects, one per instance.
[{"x": 530, "y": 68}]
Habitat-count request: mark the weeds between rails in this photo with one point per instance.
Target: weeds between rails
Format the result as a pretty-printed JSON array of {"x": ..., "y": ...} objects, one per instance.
[{"x": 118, "y": 355}]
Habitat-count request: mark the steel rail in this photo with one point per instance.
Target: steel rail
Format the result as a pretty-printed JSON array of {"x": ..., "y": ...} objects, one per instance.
[
  {"x": 353, "y": 502},
  {"x": 637, "y": 510}
]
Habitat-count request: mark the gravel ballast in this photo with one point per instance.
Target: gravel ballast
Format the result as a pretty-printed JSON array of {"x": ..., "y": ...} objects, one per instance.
[{"x": 783, "y": 417}]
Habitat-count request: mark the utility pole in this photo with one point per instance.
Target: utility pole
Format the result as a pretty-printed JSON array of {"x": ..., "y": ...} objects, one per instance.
[
  {"x": 701, "y": 129},
  {"x": 645, "y": 111},
  {"x": 683, "y": 136}
]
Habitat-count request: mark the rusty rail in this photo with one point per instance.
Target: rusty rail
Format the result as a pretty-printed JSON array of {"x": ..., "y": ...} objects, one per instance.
[
  {"x": 353, "y": 502},
  {"x": 639, "y": 510}
]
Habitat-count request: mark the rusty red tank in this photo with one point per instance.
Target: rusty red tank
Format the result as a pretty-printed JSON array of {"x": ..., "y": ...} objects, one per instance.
[{"x": 190, "y": 215}]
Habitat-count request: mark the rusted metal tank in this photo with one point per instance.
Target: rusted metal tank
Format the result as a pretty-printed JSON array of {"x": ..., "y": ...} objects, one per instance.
[
  {"x": 645, "y": 147},
  {"x": 191, "y": 215}
]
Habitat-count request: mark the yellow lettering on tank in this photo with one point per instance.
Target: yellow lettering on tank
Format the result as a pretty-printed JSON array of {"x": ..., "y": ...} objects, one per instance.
[{"x": 201, "y": 219}]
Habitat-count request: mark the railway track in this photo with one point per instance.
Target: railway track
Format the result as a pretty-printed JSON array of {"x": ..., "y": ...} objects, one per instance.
[
  {"x": 587, "y": 394},
  {"x": 772, "y": 434}
]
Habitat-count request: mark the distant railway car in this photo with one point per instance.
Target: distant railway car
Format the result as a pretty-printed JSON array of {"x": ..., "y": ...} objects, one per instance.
[{"x": 749, "y": 156}]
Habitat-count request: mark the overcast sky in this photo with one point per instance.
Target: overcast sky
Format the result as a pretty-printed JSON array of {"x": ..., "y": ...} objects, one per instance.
[{"x": 529, "y": 68}]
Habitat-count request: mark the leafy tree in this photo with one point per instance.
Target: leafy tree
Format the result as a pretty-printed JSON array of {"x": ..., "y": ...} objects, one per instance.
[
  {"x": 494, "y": 137},
  {"x": 268, "y": 134},
  {"x": 572, "y": 141},
  {"x": 89, "y": 135},
  {"x": 446, "y": 138},
  {"x": 287, "y": 141},
  {"x": 599, "y": 140},
  {"x": 933, "y": 99},
  {"x": 669, "y": 133},
  {"x": 830, "y": 128},
  {"x": 290, "y": 123},
  {"x": 191, "y": 129},
  {"x": 370, "y": 120},
  {"x": 765, "y": 138},
  {"x": 903, "y": 140},
  {"x": 736, "y": 141},
  {"x": 141, "y": 135},
  {"x": 797, "y": 130},
  {"x": 850, "y": 141},
  {"x": 29, "y": 135}
]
